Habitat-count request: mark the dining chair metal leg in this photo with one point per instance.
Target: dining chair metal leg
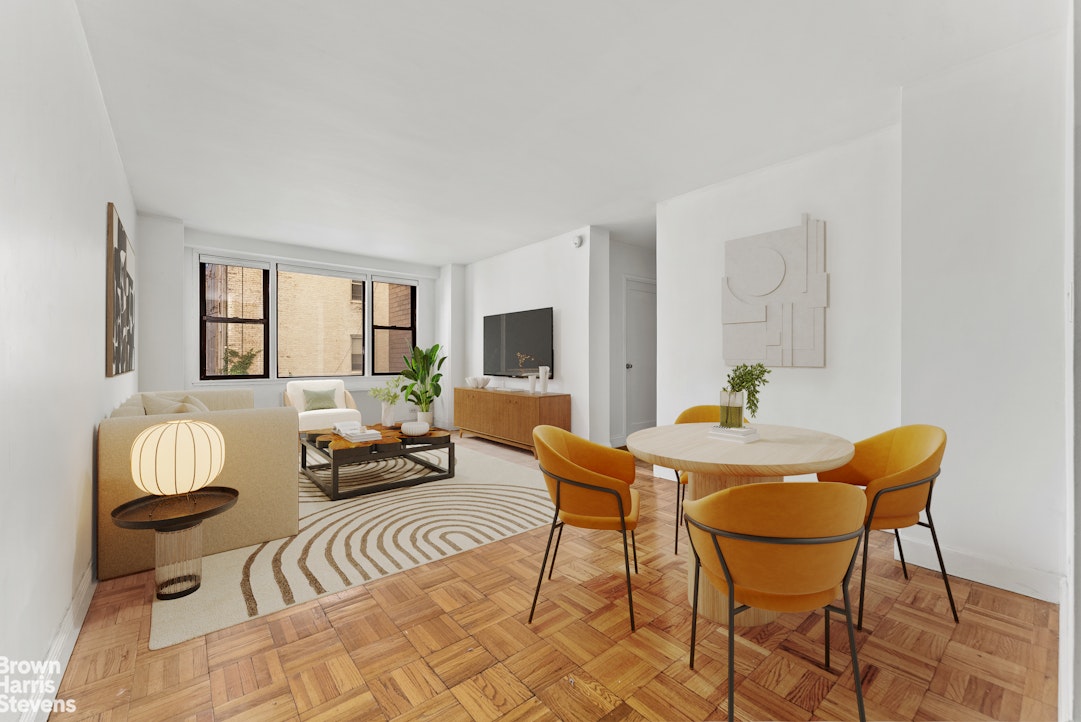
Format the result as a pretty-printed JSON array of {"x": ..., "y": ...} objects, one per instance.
[
  {"x": 627, "y": 565},
  {"x": 852, "y": 652},
  {"x": 900, "y": 552},
  {"x": 544, "y": 563},
  {"x": 827, "y": 636},
  {"x": 731, "y": 655},
  {"x": 634, "y": 547},
  {"x": 863, "y": 574},
  {"x": 681, "y": 490},
  {"x": 941, "y": 564},
  {"x": 555, "y": 551}
]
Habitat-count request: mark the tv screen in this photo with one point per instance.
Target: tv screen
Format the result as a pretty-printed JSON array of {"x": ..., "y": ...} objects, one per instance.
[{"x": 519, "y": 343}]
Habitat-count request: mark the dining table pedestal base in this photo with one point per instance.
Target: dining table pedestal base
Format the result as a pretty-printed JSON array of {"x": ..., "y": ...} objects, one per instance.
[{"x": 712, "y": 602}]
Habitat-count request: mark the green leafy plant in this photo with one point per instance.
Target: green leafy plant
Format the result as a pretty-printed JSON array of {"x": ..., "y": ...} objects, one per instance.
[
  {"x": 748, "y": 379},
  {"x": 388, "y": 393},
  {"x": 237, "y": 363},
  {"x": 421, "y": 377}
]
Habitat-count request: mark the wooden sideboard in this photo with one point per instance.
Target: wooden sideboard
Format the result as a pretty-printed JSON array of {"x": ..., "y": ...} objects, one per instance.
[{"x": 509, "y": 416}]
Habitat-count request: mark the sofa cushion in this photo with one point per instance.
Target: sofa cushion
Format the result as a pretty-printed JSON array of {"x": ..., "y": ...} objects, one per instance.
[
  {"x": 316, "y": 399},
  {"x": 172, "y": 403}
]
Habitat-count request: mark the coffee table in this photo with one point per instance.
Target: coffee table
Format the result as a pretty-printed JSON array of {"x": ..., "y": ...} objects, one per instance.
[{"x": 337, "y": 453}]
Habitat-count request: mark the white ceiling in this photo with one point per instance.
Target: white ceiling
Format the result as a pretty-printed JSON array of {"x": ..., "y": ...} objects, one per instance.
[{"x": 444, "y": 131}]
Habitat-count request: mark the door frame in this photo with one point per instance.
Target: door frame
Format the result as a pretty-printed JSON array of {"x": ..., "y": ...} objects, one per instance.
[{"x": 627, "y": 280}]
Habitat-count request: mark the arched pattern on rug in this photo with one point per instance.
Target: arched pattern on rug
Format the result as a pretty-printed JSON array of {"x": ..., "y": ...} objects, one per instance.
[{"x": 364, "y": 538}]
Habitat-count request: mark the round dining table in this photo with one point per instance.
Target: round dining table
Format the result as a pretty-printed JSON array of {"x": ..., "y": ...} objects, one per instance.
[{"x": 714, "y": 464}]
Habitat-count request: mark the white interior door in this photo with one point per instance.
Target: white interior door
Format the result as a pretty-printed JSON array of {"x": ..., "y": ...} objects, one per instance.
[{"x": 641, "y": 355}]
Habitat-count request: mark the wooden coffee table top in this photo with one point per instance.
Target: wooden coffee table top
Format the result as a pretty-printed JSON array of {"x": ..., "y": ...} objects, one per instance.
[{"x": 389, "y": 435}]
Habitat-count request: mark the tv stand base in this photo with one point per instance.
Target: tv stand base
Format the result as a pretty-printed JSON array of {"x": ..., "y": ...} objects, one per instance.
[{"x": 508, "y": 417}]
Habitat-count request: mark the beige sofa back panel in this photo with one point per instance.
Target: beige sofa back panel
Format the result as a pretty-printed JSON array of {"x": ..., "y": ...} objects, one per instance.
[
  {"x": 260, "y": 463},
  {"x": 213, "y": 399}
]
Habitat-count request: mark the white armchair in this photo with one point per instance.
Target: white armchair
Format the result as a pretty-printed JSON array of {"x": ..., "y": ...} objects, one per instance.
[{"x": 321, "y": 403}]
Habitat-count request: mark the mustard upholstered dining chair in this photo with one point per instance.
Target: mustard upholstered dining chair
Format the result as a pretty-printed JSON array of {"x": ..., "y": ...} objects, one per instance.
[
  {"x": 693, "y": 415},
  {"x": 785, "y": 547},
  {"x": 897, "y": 469},
  {"x": 590, "y": 486}
]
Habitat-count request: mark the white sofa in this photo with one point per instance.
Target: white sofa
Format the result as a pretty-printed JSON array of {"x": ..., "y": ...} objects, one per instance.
[{"x": 260, "y": 463}]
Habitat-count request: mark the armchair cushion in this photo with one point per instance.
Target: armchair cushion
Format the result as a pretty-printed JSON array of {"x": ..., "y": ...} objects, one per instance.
[{"x": 319, "y": 399}]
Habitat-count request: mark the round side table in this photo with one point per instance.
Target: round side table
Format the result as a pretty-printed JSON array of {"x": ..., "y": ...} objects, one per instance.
[{"x": 178, "y": 533}]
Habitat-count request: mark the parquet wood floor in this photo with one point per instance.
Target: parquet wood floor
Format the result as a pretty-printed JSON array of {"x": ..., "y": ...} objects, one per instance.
[{"x": 449, "y": 641}]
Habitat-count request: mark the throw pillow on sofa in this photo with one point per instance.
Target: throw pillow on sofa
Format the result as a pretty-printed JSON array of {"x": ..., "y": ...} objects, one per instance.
[
  {"x": 171, "y": 404},
  {"x": 315, "y": 400}
]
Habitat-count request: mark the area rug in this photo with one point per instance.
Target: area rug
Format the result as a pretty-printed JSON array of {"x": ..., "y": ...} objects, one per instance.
[{"x": 353, "y": 541}]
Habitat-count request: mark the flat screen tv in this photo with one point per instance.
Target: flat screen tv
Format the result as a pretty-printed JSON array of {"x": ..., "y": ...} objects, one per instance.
[{"x": 518, "y": 343}]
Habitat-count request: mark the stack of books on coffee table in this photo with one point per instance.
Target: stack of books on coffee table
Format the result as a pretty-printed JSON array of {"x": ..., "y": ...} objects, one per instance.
[
  {"x": 353, "y": 431},
  {"x": 742, "y": 435}
]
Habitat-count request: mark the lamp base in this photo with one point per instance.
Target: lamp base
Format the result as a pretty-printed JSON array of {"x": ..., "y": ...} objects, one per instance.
[{"x": 178, "y": 558}]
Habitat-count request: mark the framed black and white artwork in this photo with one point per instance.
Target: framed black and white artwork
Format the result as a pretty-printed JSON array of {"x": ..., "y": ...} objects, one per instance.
[{"x": 119, "y": 299}]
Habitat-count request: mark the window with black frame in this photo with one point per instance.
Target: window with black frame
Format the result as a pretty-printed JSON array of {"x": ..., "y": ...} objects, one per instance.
[
  {"x": 320, "y": 323},
  {"x": 234, "y": 333},
  {"x": 394, "y": 325}
]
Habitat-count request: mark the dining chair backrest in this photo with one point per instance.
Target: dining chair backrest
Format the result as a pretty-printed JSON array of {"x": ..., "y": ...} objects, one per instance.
[
  {"x": 786, "y": 546},
  {"x": 699, "y": 414},
  {"x": 893, "y": 458},
  {"x": 563, "y": 454}
]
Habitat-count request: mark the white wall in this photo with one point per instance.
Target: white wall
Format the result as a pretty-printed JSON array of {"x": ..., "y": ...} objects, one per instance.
[
  {"x": 626, "y": 261},
  {"x": 451, "y": 328},
  {"x": 598, "y": 242},
  {"x": 60, "y": 167},
  {"x": 984, "y": 330},
  {"x": 161, "y": 242},
  {"x": 552, "y": 273},
  {"x": 855, "y": 188},
  {"x": 950, "y": 312}
]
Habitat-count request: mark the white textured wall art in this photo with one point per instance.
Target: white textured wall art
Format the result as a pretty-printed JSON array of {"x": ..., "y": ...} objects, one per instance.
[{"x": 775, "y": 295}]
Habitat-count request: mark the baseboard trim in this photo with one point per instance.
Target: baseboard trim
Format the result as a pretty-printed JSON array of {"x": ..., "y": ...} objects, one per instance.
[
  {"x": 663, "y": 472},
  {"x": 62, "y": 646},
  {"x": 1066, "y": 650},
  {"x": 1042, "y": 585}
]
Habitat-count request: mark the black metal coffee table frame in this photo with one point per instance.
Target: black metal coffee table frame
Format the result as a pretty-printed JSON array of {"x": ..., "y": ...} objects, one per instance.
[{"x": 390, "y": 448}]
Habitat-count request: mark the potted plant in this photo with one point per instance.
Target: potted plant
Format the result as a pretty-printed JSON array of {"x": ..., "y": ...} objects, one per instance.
[
  {"x": 743, "y": 381},
  {"x": 388, "y": 394},
  {"x": 421, "y": 378}
]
